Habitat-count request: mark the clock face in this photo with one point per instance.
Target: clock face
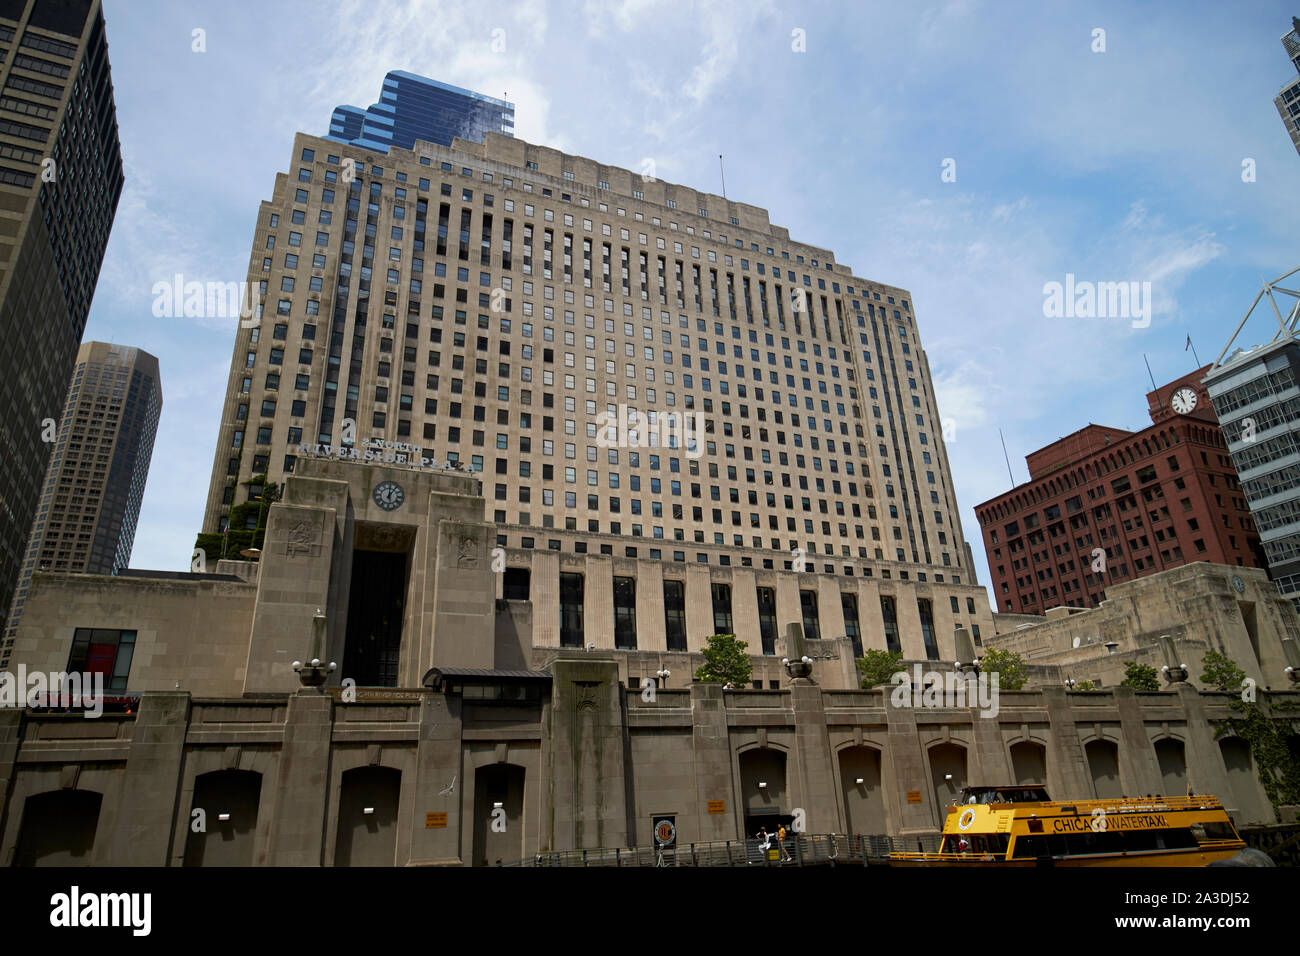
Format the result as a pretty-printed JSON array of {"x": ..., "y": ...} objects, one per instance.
[
  {"x": 1239, "y": 584},
  {"x": 389, "y": 495},
  {"x": 1184, "y": 401}
]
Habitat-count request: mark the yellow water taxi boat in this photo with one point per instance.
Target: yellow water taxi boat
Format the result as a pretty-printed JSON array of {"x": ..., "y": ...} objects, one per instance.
[{"x": 1022, "y": 826}]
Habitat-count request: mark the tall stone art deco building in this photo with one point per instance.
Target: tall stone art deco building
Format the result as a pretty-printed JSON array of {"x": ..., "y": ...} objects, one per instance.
[
  {"x": 490, "y": 304},
  {"x": 60, "y": 179}
]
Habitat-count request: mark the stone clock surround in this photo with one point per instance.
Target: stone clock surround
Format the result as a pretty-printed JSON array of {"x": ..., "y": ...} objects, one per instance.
[{"x": 329, "y": 510}]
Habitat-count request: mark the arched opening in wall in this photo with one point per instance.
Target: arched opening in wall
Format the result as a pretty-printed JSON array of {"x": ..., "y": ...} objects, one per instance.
[
  {"x": 1172, "y": 757},
  {"x": 763, "y": 791},
  {"x": 1029, "y": 763},
  {"x": 948, "y": 775},
  {"x": 228, "y": 799},
  {"x": 58, "y": 828},
  {"x": 1244, "y": 794},
  {"x": 1103, "y": 767},
  {"x": 367, "y": 825},
  {"x": 498, "y": 814},
  {"x": 864, "y": 803}
]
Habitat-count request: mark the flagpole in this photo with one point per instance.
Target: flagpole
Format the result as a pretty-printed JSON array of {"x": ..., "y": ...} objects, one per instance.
[
  {"x": 1193, "y": 348},
  {"x": 1159, "y": 404}
]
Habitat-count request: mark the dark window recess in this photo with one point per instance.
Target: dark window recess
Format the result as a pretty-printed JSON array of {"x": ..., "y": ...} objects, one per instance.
[
  {"x": 571, "y": 594},
  {"x": 808, "y": 604},
  {"x": 889, "y": 613},
  {"x": 625, "y": 613},
  {"x": 675, "y": 614},
  {"x": 722, "y": 609},
  {"x": 767, "y": 619},
  {"x": 849, "y": 602}
]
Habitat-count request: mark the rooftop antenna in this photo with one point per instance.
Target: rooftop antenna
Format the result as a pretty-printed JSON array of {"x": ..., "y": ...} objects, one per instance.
[
  {"x": 1006, "y": 456},
  {"x": 724, "y": 176},
  {"x": 1159, "y": 404}
]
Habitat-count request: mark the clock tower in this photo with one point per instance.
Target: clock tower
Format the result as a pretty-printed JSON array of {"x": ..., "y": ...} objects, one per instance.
[{"x": 1184, "y": 396}]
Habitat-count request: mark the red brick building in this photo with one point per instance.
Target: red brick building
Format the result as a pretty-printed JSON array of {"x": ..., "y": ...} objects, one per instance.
[{"x": 1149, "y": 500}]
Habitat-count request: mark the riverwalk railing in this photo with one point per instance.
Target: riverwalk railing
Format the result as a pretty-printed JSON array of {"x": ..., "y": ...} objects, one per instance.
[{"x": 799, "y": 849}]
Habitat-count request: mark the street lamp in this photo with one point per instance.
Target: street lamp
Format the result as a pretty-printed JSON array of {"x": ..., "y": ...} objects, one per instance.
[
  {"x": 315, "y": 673},
  {"x": 663, "y": 675}
]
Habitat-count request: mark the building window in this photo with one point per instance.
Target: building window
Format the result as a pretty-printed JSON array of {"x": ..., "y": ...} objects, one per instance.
[
  {"x": 101, "y": 651},
  {"x": 625, "y": 614},
  {"x": 927, "y": 629},
  {"x": 849, "y": 602},
  {"x": 571, "y": 634},
  {"x": 808, "y": 602},
  {"x": 722, "y": 609},
  {"x": 889, "y": 613},
  {"x": 675, "y": 614},
  {"x": 767, "y": 619}
]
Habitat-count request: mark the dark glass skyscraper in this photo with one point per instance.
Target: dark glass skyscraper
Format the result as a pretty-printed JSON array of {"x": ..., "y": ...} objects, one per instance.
[
  {"x": 94, "y": 487},
  {"x": 414, "y": 107},
  {"x": 60, "y": 179}
]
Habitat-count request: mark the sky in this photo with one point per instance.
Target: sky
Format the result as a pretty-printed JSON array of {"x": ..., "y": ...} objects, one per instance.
[{"x": 968, "y": 152}]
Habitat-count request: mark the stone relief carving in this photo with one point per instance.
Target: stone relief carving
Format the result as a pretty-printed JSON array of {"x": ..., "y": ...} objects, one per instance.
[
  {"x": 303, "y": 537},
  {"x": 467, "y": 553},
  {"x": 587, "y": 695}
]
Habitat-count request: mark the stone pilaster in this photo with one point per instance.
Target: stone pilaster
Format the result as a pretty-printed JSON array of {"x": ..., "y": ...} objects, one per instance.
[
  {"x": 587, "y": 806},
  {"x": 1068, "y": 776},
  {"x": 439, "y": 767},
  {"x": 142, "y": 827},
  {"x": 711, "y": 751},
  {"x": 302, "y": 784}
]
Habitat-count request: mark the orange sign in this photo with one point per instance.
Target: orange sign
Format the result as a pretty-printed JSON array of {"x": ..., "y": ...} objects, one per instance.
[
  {"x": 717, "y": 806},
  {"x": 914, "y": 796},
  {"x": 435, "y": 821}
]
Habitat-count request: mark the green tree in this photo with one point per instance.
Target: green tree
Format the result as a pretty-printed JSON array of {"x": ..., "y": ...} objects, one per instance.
[
  {"x": 1221, "y": 673},
  {"x": 1008, "y": 665},
  {"x": 1086, "y": 685},
  {"x": 1140, "y": 676},
  {"x": 879, "y": 667},
  {"x": 725, "y": 661},
  {"x": 240, "y": 536}
]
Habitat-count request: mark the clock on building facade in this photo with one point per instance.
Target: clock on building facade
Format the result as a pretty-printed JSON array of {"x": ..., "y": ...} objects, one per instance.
[{"x": 389, "y": 495}]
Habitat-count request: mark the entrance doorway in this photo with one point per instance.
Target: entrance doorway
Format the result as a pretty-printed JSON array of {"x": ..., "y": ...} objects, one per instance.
[
  {"x": 498, "y": 814},
  {"x": 375, "y": 610}
]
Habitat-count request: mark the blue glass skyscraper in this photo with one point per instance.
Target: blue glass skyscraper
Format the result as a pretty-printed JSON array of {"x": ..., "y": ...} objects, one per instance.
[{"x": 414, "y": 107}]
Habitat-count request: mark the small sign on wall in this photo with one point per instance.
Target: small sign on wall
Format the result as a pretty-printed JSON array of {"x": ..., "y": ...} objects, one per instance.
[
  {"x": 914, "y": 796},
  {"x": 717, "y": 806},
  {"x": 435, "y": 821}
]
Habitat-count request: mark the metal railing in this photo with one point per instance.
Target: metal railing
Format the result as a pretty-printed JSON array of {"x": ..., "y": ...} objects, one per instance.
[{"x": 801, "y": 849}]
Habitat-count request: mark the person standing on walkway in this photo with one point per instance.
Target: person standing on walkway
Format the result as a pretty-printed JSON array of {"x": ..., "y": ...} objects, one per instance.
[{"x": 780, "y": 842}]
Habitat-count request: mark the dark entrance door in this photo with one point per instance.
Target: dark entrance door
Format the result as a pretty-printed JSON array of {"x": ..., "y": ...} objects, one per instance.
[{"x": 375, "y": 605}]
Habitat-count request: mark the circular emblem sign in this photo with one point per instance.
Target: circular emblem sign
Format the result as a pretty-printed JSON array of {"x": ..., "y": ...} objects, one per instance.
[
  {"x": 389, "y": 495},
  {"x": 665, "y": 832},
  {"x": 967, "y": 818}
]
